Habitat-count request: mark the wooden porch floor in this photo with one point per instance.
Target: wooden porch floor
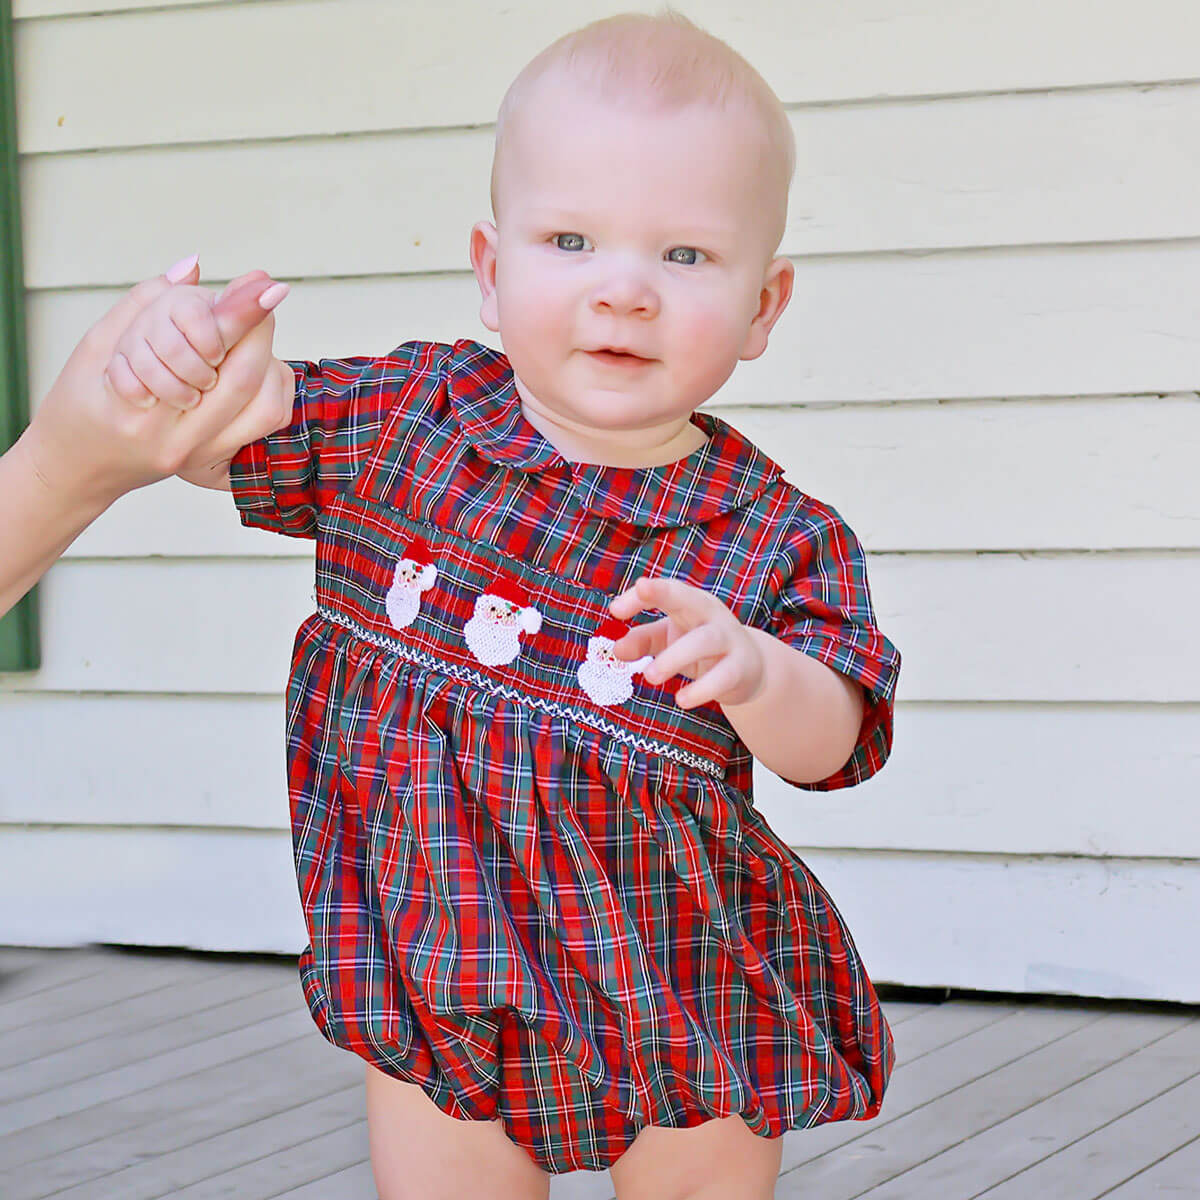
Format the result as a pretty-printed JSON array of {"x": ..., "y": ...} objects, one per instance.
[{"x": 130, "y": 1075}]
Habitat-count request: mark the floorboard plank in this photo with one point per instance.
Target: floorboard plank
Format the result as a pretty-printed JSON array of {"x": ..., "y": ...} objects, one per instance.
[
  {"x": 173, "y": 1115},
  {"x": 1114, "y": 1152},
  {"x": 916, "y": 1083},
  {"x": 142, "y": 1012},
  {"x": 993, "y": 1153},
  {"x": 136, "y": 1077},
  {"x": 271, "y": 1174},
  {"x": 957, "y": 1115},
  {"x": 899, "y": 1011},
  {"x": 354, "y": 1183},
  {"x": 215, "y": 1161},
  {"x": 1175, "y": 1177},
  {"x": 57, "y": 968},
  {"x": 117, "y": 980},
  {"x": 943, "y": 1024},
  {"x": 103, "y": 1055}
]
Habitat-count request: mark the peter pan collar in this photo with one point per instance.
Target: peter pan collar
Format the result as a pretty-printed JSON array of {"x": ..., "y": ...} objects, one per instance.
[{"x": 726, "y": 473}]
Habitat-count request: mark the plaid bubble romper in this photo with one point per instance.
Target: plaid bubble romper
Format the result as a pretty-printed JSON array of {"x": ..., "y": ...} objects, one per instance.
[{"x": 533, "y": 884}]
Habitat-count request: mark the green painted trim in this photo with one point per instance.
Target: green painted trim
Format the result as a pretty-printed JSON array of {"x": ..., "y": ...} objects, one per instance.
[{"x": 19, "y": 643}]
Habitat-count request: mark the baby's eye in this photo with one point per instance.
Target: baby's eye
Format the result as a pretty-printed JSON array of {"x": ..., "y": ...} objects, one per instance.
[
  {"x": 685, "y": 250},
  {"x": 574, "y": 241}
]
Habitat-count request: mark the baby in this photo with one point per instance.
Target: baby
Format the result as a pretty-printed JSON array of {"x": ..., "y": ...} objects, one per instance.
[{"x": 541, "y": 904}]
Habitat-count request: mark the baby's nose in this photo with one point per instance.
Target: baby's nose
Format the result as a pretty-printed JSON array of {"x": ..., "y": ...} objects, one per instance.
[{"x": 625, "y": 292}]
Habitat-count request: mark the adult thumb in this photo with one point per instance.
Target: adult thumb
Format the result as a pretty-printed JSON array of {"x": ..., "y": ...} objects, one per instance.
[{"x": 241, "y": 309}]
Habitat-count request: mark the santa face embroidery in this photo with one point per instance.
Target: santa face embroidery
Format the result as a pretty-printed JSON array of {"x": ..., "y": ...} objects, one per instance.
[
  {"x": 606, "y": 678},
  {"x": 414, "y": 574},
  {"x": 501, "y": 615}
]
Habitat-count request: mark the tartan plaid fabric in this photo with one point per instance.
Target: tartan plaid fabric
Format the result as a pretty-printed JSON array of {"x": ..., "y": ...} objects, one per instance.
[{"x": 542, "y": 906}]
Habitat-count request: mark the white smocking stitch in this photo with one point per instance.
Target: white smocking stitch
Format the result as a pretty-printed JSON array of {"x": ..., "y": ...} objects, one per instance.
[{"x": 664, "y": 749}]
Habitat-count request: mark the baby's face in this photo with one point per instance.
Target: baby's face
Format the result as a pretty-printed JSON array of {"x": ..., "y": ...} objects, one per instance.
[{"x": 635, "y": 231}]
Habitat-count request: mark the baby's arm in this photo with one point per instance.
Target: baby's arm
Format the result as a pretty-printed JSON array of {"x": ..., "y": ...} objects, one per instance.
[
  {"x": 796, "y": 715},
  {"x": 804, "y": 722},
  {"x": 811, "y": 696}
]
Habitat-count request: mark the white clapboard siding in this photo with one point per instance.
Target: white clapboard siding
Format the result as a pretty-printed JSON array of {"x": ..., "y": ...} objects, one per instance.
[
  {"x": 981, "y": 778},
  {"x": 1043, "y": 627},
  {"x": 1101, "y": 928},
  {"x": 208, "y": 761},
  {"x": 965, "y": 324},
  {"x": 1114, "y": 165},
  {"x": 1092, "y": 927},
  {"x": 364, "y": 65},
  {"x": 208, "y": 889},
  {"x": 990, "y": 366},
  {"x": 1132, "y": 463}
]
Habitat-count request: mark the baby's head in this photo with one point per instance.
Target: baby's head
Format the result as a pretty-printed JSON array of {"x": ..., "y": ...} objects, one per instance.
[{"x": 639, "y": 189}]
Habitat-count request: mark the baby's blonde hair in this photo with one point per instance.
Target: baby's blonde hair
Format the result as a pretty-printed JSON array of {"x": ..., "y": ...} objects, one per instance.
[{"x": 667, "y": 61}]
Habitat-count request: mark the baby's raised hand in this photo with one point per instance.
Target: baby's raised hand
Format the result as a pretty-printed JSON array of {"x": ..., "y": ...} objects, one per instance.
[{"x": 698, "y": 638}]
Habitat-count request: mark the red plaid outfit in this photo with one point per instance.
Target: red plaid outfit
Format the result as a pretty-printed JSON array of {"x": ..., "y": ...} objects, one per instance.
[{"x": 533, "y": 884}]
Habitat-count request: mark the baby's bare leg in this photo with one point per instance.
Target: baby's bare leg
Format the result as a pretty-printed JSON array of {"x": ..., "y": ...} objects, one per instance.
[
  {"x": 420, "y": 1153},
  {"x": 717, "y": 1160}
]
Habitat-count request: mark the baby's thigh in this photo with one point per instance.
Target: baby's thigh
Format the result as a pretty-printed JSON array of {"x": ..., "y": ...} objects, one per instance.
[
  {"x": 420, "y": 1153},
  {"x": 716, "y": 1160}
]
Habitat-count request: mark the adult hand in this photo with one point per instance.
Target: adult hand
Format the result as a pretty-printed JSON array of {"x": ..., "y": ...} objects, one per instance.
[
  {"x": 87, "y": 444},
  {"x": 93, "y": 441}
]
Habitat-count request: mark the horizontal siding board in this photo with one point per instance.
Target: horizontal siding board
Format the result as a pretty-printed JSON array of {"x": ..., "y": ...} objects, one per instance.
[
  {"x": 1053, "y": 627},
  {"x": 1024, "y": 475},
  {"x": 980, "y": 324},
  {"x": 981, "y": 778},
  {"x": 202, "y": 761},
  {"x": 1100, "y": 166},
  {"x": 1016, "y": 779},
  {"x": 87, "y": 78},
  {"x": 204, "y": 889},
  {"x": 1074, "y": 926},
  {"x": 1067, "y": 925}
]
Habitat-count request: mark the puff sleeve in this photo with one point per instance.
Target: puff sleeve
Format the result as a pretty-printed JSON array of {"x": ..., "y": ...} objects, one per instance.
[
  {"x": 283, "y": 481},
  {"x": 820, "y": 603}
]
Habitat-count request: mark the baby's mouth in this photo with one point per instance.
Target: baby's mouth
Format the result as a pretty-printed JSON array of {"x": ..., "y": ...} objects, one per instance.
[{"x": 617, "y": 358}]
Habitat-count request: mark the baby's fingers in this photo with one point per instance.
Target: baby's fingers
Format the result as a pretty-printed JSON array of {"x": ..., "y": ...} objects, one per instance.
[
  {"x": 125, "y": 385},
  {"x": 649, "y": 638},
  {"x": 154, "y": 375},
  {"x": 185, "y": 338},
  {"x": 241, "y": 308}
]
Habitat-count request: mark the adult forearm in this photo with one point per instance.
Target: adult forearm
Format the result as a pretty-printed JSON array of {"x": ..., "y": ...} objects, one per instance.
[
  {"x": 39, "y": 523},
  {"x": 804, "y": 722}
]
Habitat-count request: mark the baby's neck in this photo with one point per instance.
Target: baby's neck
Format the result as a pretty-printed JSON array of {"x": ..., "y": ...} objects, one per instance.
[{"x": 576, "y": 447}]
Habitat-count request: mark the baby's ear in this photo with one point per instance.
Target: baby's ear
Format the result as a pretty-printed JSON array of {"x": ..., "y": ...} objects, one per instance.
[
  {"x": 484, "y": 239},
  {"x": 772, "y": 300}
]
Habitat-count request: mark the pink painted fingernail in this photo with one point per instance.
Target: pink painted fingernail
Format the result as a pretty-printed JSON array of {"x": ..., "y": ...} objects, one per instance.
[
  {"x": 273, "y": 295},
  {"x": 182, "y": 268}
]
